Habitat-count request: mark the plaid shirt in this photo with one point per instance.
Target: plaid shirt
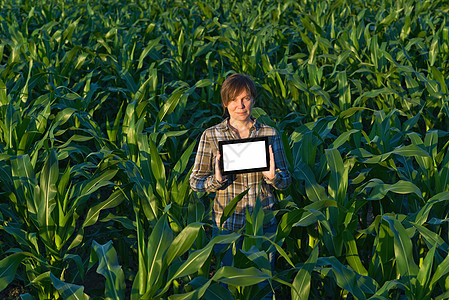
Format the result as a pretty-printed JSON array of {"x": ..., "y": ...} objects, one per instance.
[{"x": 203, "y": 178}]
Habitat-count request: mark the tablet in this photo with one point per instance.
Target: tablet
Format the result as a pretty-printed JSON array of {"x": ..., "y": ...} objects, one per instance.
[{"x": 244, "y": 155}]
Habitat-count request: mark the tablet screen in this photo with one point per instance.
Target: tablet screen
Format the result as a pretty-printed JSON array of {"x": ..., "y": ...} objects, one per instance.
[{"x": 244, "y": 155}]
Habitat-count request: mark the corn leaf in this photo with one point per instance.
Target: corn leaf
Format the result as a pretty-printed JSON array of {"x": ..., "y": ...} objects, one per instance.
[
  {"x": 240, "y": 277},
  {"x": 302, "y": 282},
  {"x": 405, "y": 264},
  {"x": 68, "y": 291},
  {"x": 109, "y": 267},
  {"x": 231, "y": 206},
  {"x": 8, "y": 268}
]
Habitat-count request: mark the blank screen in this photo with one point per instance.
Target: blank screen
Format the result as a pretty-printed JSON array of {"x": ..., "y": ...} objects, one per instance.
[{"x": 241, "y": 156}]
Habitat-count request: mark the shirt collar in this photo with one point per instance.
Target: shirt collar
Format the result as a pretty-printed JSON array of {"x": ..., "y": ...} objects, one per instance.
[{"x": 224, "y": 125}]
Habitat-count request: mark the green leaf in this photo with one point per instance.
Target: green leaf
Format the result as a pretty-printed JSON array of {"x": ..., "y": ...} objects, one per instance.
[
  {"x": 403, "y": 250},
  {"x": 182, "y": 163},
  {"x": 438, "y": 75},
  {"x": 196, "y": 260},
  {"x": 25, "y": 182},
  {"x": 145, "y": 159},
  {"x": 290, "y": 218},
  {"x": 441, "y": 271},
  {"x": 341, "y": 59},
  {"x": 254, "y": 225},
  {"x": 343, "y": 138},
  {"x": 124, "y": 221},
  {"x": 68, "y": 291},
  {"x": 8, "y": 268},
  {"x": 27, "y": 296},
  {"x": 314, "y": 191},
  {"x": 351, "y": 111},
  {"x": 352, "y": 254},
  {"x": 195, "y": 294},
  {"x": 108, "y": 267},
  {"x": 158, "y": 171},
  {"x": 279, "y": 249},
  {"x": 442, "y": 179},
  {"x": 182, "y": 242},
  {"x": 160, "y": 240},
  {"x": 129, "y": 81},
  {"x": 195, "y": 211},
  {"x": 302, "y": 282},
  {"x": 410, "y": 123},
  {"x": 3, "y": 97},
  {"x": 431, "y": 238},
  {"x": 93, "y": 184},
  {"x": 344, "y": 90},
  {"x": 113, "y": 132},
  {"x": 423, "y": 213},
  {"x": 300, "y": 217},
  {"x": 380, "y": 189},
  {"x": 433, "y": 51},
  {"x": 143, "y": 189},
  {"x": 78, "y": 261},
  {"x": 114, "y": 200},
  {"x": 168, "y": 107},
  {"x": 344, "y": 277},
  {"x": 151, "y": 45},
  {"x": 309, "y": 143},
  {"x": 141, "y": 92},
  {"x": 231, "y": 206},
  {"x": 410, "y": 150},
  {"x": 19, "y": 234},
  {"x": 338, "y": 182},
  {"x": 324, "y": 126},
  {"x": 424, "y": 274},
  {"x": 240, "y": 277},
  {"x": 384, "y": 291},
  {"x": 218, "y": 292},
  {"x": 25, "y": 89},
  {"x": 262, "y": 116},
  {"x": 257, "y": 258}
]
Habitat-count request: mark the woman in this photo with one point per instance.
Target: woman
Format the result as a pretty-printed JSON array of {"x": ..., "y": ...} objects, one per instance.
[{"x": 238, "y": 93}]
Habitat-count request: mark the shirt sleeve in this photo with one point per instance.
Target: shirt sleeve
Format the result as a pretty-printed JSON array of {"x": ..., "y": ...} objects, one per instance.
[
  {"x": 282, "y": 178},
  {"x": 202, "y": 178}
]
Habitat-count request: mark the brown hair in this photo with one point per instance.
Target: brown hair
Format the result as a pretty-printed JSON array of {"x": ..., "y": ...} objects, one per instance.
[{"x": 234, "y": 85}]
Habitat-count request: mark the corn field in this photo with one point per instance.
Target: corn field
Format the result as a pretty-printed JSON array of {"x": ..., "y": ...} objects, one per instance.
[{"x": 102, "y": 104}]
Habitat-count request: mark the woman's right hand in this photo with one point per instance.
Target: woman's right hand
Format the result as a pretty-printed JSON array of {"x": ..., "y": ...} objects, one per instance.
[{"x": 218, "y": 175}]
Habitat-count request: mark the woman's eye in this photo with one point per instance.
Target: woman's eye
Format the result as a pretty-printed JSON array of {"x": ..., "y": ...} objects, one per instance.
[{"x": 246, "y": 99}]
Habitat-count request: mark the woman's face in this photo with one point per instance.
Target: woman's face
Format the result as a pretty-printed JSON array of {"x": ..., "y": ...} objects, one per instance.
[{"x": 240, "y": 107}]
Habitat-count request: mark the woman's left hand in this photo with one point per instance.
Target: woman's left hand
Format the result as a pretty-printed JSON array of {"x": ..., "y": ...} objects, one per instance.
[{"x": 272, "y": 171}]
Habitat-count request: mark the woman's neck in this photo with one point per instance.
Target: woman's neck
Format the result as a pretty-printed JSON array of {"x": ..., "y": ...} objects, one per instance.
[
  {"x": 241, "y": 127},
  {"x": 246, "y": 124}
]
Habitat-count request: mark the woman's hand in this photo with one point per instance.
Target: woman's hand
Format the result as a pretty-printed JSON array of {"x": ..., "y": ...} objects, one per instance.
[
  {"x": 218, "y": 175},
  {"x": 272, "y": 171}
]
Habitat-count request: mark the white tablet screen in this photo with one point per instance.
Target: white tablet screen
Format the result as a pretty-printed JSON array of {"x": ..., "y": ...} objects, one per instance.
[{"x": 247, "y": 155}]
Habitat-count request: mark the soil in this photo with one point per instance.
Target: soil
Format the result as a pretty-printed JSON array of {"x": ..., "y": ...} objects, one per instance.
[{"x": 13, "y": 292}]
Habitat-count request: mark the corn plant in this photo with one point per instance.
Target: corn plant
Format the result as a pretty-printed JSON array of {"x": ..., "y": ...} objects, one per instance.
[{"x": 46, "y": 207}]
